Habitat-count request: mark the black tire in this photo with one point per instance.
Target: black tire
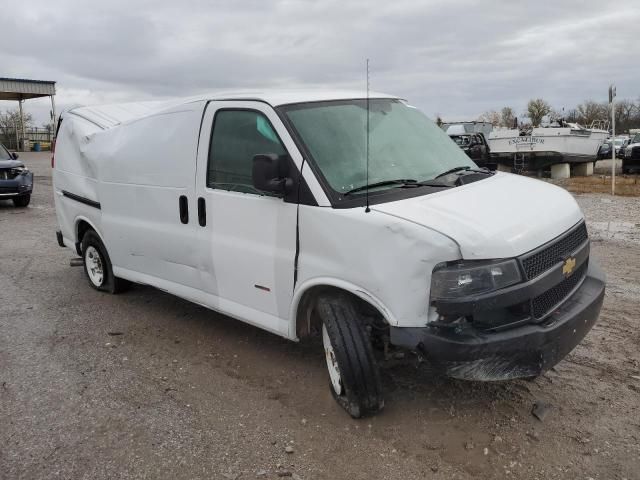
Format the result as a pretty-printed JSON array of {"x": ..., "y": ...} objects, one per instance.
[
  {"x": 22, "y": 201},
  {"x": 359, "y": 375},
  {"x": 109, "y": 282}
]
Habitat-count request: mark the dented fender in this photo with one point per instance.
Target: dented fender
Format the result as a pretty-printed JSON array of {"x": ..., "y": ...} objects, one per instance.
[
  {"x": 384, "y": 260},
  {"x": 360, "y": 292}
]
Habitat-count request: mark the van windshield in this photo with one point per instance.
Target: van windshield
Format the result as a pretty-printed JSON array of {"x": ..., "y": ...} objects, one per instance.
[{"x": 403, "y": 142}]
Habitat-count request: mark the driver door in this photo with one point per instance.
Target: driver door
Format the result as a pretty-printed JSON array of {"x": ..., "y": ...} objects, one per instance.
[{"x": 247, "y": 238}]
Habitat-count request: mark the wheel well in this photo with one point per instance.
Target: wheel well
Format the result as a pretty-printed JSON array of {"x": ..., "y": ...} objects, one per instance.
[
  {"x": 82, "y": 228},
  {"x": 308, "y": 324}
]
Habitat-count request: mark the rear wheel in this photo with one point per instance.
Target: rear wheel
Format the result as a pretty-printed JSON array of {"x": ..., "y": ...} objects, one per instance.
[
  {"x": 97, "y": 265},
  {"x": 353, "y": 371},
  {"x": 22, "y": 201}
]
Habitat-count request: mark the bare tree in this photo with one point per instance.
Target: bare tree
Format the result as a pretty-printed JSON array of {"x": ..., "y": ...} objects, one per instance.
[
  {"x": 626, "y": 108},
  {"x": 491, "y": 116},
  {"x": 590, "y": 111},
  {"x": 627, "y": 114},
  {"x": 572, "y": 115},
  {"x": 536, "y": 110},
  {"x": 10, "y": 119},
  {"x": 634, "y": 118},
  {"x": 507, "y": 117},
  {"x": 556, "y": 115},
  {"x": 625, "y": 111}
]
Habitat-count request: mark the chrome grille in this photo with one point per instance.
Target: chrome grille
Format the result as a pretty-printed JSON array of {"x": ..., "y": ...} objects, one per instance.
[{"x": 542, "y": 260}]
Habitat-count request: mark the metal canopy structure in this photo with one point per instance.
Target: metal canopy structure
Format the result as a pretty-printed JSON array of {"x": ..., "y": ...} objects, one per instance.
[{"x": 20, "y": 89}]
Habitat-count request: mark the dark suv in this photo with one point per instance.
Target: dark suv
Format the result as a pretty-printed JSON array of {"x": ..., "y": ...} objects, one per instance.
[
  {"x": 16, "y": 181},
  {"x": 631, "y": 160}
]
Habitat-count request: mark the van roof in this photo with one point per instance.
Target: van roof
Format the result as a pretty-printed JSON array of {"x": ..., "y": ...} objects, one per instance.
[{"x": 110, "y": 115}]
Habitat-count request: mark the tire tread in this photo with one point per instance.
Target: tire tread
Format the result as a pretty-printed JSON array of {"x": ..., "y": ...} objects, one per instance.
[{"x": 358, "y": 368}]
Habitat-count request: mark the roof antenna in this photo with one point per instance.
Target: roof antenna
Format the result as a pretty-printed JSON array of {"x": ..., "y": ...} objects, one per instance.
[{"x": 367, "y": 209}]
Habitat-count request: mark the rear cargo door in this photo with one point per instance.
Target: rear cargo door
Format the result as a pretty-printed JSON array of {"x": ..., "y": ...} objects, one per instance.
[{"x": 247, "y": 239}]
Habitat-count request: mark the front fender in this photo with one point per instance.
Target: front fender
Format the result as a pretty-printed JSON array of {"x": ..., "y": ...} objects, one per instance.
[{"x": 360, "y": 292}]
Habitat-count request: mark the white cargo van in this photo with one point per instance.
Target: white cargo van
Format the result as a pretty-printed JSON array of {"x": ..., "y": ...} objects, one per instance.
[{"x": 261, "y": 206}]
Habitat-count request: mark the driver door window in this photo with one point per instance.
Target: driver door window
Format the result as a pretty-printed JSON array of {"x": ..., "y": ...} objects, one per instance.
[{"x": 237, "y": 136}]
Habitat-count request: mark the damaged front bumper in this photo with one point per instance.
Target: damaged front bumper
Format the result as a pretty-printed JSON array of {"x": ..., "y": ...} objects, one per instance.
[
  {"x": 523, "y": 351},
  {"x": 15, "y": 187}
]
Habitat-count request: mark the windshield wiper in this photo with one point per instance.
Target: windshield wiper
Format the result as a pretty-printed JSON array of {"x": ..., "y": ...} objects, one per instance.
[
  {"x": 452, "y": 170},
  {"x": 431, "y": 183},
  {"x": 401, "y": 183},
  {"x": 383, "y": 183}
]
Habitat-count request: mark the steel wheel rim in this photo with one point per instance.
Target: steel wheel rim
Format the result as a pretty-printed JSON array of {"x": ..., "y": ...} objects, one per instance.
[
  {"x": 93, "y": 263},
  {"x": 332, "y": 362}
]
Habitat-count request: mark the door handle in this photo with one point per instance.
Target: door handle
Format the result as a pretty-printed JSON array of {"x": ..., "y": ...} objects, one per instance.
[
  {"x": 184, "y": 209},
  {"x": 202, "y": 212}
]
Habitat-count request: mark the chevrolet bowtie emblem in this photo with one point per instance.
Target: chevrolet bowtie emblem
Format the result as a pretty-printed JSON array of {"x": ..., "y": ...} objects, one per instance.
[{"x": 568, "y": 266}]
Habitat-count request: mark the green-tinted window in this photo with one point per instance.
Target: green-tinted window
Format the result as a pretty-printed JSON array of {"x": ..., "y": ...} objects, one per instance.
[
  {"x": 403, "y": 143},
  {"x": 239, "y": 135}
]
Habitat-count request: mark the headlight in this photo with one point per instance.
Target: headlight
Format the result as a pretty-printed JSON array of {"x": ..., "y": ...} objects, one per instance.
[
  {"x": 473, "y": 278},
  {"x": 19, "y": 171}
]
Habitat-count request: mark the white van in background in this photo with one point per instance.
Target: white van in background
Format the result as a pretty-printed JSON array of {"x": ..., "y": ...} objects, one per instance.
[{"x": 261, "y": 206}]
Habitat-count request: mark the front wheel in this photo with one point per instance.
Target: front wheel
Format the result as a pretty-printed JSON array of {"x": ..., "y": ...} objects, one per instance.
[
  {"x": 353, "y": 371},
  {"x": 22, "y": 201}
]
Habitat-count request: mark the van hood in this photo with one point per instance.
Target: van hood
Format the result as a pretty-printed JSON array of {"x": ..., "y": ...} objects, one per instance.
[{"x": 502, "y": 216}]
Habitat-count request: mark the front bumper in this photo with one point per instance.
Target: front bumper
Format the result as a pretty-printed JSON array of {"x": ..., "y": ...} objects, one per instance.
[
  {"x": 629, "y": 162},
  {"x": 16, "y": 187},
  {"x": 631, "y": 155},
  {"x": 523, "y": 351}
]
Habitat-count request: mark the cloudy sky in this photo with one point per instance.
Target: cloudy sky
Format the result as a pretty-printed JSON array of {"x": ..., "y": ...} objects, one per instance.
[{"x": 454, "y": 58}]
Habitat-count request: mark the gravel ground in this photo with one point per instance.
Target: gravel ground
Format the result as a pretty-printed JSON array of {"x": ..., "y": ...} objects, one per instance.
[{"x": 145, "y": 385}]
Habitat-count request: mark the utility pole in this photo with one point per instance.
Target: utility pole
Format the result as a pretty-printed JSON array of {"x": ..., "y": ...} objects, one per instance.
[
  {"x": 21, "y": 124},
  {"x": 53, "y": 118},
  {"x": 612, "y": 101},
  {"x": 15, "y": 129}
]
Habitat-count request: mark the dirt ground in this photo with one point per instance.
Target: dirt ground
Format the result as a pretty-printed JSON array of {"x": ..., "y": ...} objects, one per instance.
[
  {"x": 145, "y": 385},
  {"x": 627, "y": 185}
]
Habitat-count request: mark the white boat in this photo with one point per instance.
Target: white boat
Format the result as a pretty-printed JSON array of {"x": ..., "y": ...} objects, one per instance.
[{"x": 544, "y": 146}]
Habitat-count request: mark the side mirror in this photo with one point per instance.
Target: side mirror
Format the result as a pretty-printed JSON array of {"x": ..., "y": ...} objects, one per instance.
[
  {"x": 270, "y": 173},
  {"x": 15, "y": 155}
]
